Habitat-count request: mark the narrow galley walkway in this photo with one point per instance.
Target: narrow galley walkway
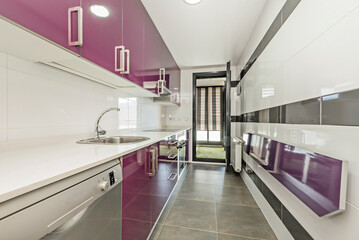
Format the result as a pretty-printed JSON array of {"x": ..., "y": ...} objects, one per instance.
[{"x": 212, "y": 204}]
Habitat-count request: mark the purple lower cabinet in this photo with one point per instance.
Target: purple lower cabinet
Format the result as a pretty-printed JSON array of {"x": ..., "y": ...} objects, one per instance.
[
  {"x": 318, "y": 181},
  {"x": 144, "y": 192},
  {"x": 46, "y": 18}
]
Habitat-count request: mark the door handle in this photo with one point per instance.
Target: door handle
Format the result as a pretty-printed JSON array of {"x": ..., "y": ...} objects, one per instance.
[
  {"x": 79, "y": 41},
  {"x": 122, "y": 59}
]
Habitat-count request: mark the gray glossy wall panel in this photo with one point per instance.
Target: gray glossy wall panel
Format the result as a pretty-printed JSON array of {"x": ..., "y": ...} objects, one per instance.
[
  {"x": 341, "y": 109},
  {"x": 288, "y": 8},
  {"x": 304, "y": 112}
]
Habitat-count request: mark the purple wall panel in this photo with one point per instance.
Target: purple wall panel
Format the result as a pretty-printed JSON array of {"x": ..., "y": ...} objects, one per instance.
[
  {"x": 46, "y": 18},
  {"x": 314, "y": 178}
]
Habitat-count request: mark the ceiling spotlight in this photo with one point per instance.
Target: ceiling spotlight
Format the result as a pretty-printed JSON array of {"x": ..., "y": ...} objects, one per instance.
[
  {"x": 192, "y": 2},
  {"x": 99, "y": 11}
]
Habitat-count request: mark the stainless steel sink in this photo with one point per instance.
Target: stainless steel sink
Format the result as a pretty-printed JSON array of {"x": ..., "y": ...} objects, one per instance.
[{"x": 114, "y": 140}]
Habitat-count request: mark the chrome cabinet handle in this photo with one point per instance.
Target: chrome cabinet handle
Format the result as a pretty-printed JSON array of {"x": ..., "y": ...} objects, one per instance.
[
  {"x": 156, "y": 157},
  {"x": 79, "y": 41},
  {"x": 152, "y": 163},
  {"x": 122, "y": 59},
  {"x": 127, "y": 53},
  {"x": 161, "y": 81}
]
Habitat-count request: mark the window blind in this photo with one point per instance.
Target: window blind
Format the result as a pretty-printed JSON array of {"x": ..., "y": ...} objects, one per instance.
[{"x": 209, "y": 108}]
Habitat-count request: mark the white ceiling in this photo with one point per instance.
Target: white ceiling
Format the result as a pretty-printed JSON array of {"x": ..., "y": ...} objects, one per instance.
[{"x": 207, "y": 34}]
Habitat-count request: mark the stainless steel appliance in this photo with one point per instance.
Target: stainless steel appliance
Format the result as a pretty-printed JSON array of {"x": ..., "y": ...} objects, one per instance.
[{"x": 83, "y": 207}]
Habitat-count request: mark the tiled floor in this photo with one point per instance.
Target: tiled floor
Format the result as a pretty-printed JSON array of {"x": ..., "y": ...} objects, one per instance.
[{"x": 212, "y": 204}]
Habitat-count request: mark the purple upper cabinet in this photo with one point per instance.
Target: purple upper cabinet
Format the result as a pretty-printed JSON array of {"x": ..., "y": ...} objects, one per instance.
[
  {"x": 157, "y": 56},
  {"x": 103, "y": 34},
  {"x": 133, "y": 36},
  {"x": 46, "y": 18},
  {"x": 152, "y": 51}
]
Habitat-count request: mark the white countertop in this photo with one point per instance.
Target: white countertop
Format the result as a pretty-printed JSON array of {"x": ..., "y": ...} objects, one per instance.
[{"x": 26, "y": 168}]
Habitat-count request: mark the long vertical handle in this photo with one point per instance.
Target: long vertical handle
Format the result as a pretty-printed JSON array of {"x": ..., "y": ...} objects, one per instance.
[
  {"x": 152, "y": 163},
  {"x": 162, "y": 80},
  {"x": 79, "y": 41},
  {"x": 156, "y": 157},
  {"x": 127, "y": 53},
  {"x": 122, "y": 59}
]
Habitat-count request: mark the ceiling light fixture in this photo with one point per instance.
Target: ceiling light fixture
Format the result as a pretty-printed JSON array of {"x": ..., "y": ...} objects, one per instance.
[
  {"x": 192, "y": 2},
  {"x": 99, "y": 11}
]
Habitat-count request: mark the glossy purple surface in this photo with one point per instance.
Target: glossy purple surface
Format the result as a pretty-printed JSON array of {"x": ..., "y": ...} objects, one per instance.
[
  {"x": 101, "y": 35},
  {"x": 44, "y": 17},
  {"x": 133, "y": 38},
  {"x": 143, "y": 197},
  {"x": 128, "y": 24},
  {"x": 314, "y": 178},
  {"x": 157, "y": 55}
]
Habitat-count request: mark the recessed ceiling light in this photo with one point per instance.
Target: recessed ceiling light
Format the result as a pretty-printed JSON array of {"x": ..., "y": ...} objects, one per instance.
[
  {"x": 99, "y": 11},
  {"x": 192, "y": 2}
]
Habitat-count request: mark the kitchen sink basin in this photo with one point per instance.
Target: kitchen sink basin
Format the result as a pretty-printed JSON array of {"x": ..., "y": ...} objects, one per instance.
[{"x": 114, "y": 140}]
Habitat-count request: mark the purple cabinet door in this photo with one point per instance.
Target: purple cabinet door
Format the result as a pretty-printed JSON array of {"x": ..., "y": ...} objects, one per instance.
[
  {"x": 136, "y": 206},
  {"x": 102, "y": 34},
  {"x": 44, "y": 17},
  {"x": 144, "y": 192},
  {"x": 133, "y": 38},
  {"x": 152, "y": 51},
  {"x": 157, "y": 56}
]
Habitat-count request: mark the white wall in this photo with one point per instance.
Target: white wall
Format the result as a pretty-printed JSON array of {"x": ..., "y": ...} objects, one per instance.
[
  {"x": 38, "y": 101},
  {"x": 313, "y": 54},
  {"x": 269, "y": 13}
]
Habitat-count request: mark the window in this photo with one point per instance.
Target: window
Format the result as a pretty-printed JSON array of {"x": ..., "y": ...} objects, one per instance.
[{"x": 128, "y": 114}]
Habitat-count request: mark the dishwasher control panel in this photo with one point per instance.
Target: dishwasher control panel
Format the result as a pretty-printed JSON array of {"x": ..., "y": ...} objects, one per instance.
[{"x": 111, "y": 175}]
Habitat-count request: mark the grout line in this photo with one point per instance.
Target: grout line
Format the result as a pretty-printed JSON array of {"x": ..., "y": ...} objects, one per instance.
[
  {"x": 209, "y": 231},
  {"x": 7, "y": 97}
]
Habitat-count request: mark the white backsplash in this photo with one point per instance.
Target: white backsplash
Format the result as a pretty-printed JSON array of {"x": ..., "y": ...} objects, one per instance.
[{"x": 39, "y": 101}]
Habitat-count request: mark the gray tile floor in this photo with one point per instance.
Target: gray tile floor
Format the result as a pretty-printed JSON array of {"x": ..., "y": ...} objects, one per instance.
[{"x": 212, "y": 204}]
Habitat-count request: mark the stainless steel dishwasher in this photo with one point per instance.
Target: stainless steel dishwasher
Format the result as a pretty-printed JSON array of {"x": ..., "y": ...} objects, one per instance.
[{"x": 85, "y": 206}]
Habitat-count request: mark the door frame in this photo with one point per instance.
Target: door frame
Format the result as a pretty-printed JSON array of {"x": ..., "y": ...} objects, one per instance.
[{"x": 218, "y": 74}]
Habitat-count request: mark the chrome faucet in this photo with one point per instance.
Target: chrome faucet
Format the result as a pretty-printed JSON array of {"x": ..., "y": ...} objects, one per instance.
[{"x": 99, "y": 131}]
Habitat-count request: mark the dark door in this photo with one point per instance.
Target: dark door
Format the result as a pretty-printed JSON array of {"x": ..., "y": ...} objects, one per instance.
[{"x": 209, "y": 109}]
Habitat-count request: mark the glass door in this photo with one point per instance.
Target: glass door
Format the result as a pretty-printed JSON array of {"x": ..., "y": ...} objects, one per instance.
[{"x": 210, "y": 120}]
